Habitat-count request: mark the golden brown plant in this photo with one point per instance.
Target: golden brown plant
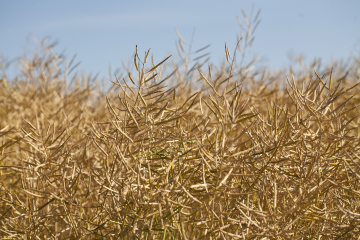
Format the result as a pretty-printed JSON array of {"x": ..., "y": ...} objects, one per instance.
[{"x": 247, "y": 155}]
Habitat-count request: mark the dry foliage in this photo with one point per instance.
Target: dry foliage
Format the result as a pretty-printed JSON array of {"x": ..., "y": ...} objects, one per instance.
[{"x": 221, "y": 153}]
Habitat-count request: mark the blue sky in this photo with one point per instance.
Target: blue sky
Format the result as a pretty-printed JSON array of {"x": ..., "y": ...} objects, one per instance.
[{"x": 106, "y": 32}]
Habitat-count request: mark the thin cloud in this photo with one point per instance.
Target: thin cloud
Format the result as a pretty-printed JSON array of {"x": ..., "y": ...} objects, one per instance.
[{"x": 150, "y": 19}]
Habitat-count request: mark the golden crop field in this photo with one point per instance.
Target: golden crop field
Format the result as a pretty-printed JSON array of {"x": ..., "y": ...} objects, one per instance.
[{"x": 180, "y": 151}]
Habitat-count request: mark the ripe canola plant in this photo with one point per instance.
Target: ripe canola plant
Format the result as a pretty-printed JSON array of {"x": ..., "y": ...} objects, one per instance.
[{"x": 180, "y": 150}]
